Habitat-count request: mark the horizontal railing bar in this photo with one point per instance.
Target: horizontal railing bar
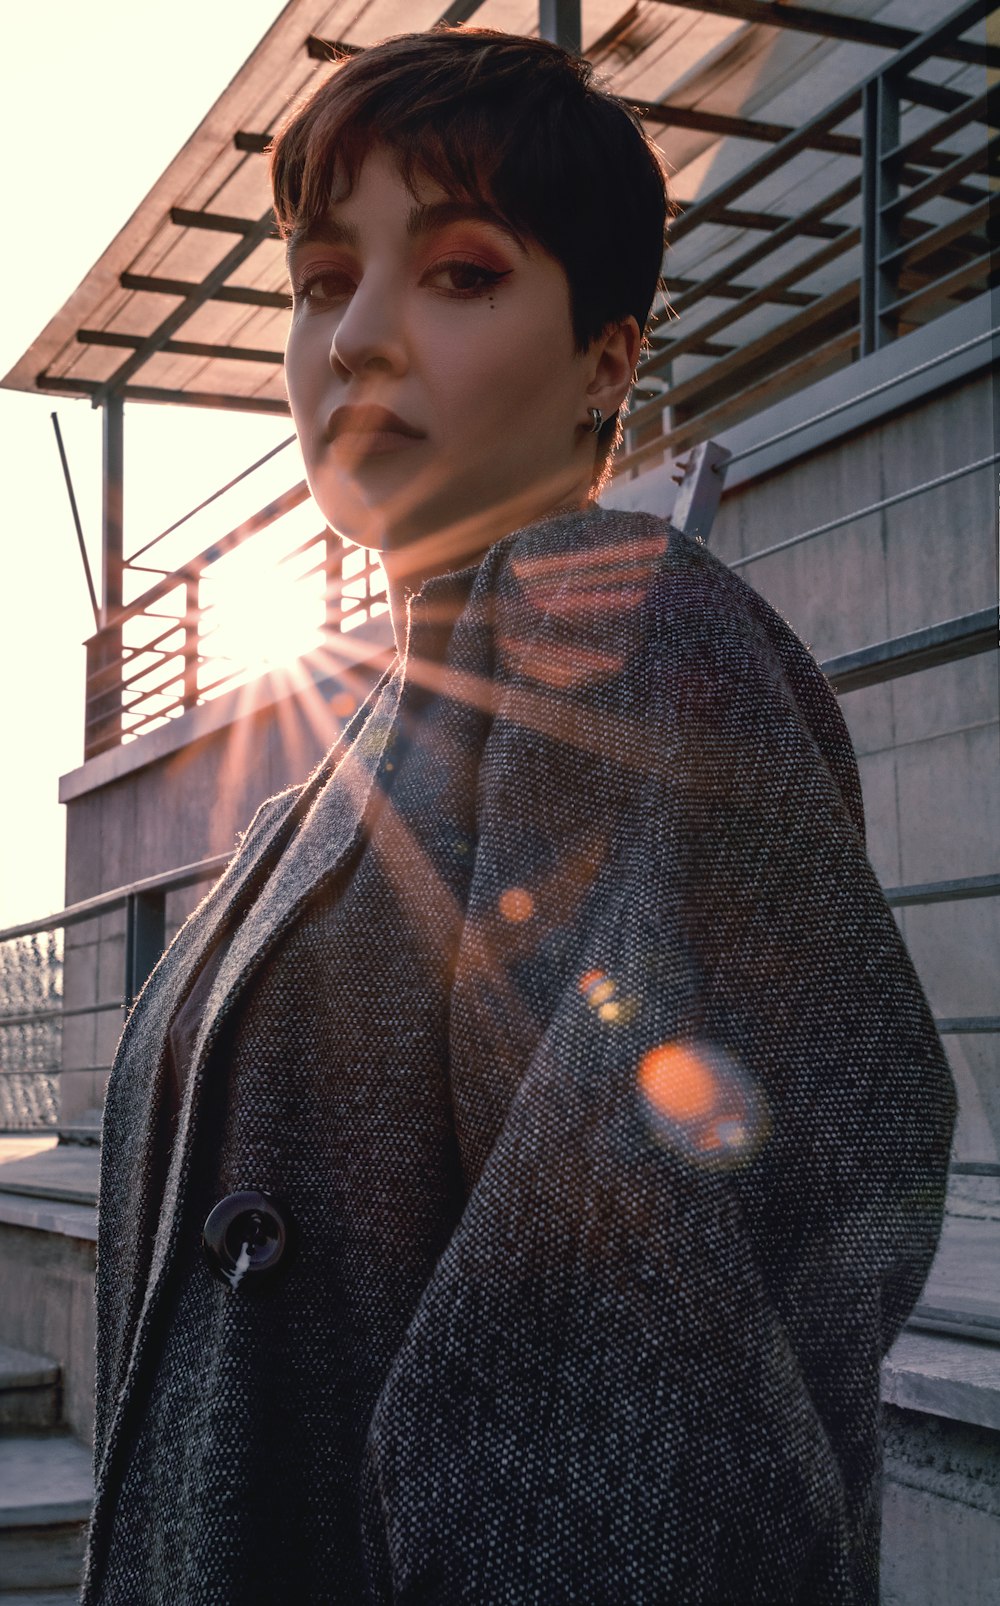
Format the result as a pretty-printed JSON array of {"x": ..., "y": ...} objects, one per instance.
[
  {"x": 237, "y": 478},
  {"x": 865, "y": 512},
  {"x": 164, "y": 655},
  {"x": 936, "y": 40},
  {"x": 700, "y": 120},
  {"x": 28, "y": 1017},
  {"x": 975, "y": 1168},
  {"x": 866, "y": 395},
  {"x": 219, "y": 222},
  {"x": 750, "y": 353},
  {"x": 932, "y": 187},
  {"x": 765, "y": 165},
  {"x": 908, "y": 150},
  {"x": 947, "y": 642},
  {"x": 941, "y": 289},
  {"x": 749, "y": 258},
  {"x": 287, "y": 502},
  {"x": 731, "y": 217},
  {"x": 730, "y": 315},
  {"x": 188, "y": 875},
  {"x": 962, "y": 1025},
  {"x": 957, "y": 1324},
  {"x": 734, "y": 406},
  {"x": 159, "y": 690},
  {"x": 201, "y": 870},
  {"x": 304, "y": 546},
  {"x": 934, "y": 239},
  {"x": 919, "y": 892}
]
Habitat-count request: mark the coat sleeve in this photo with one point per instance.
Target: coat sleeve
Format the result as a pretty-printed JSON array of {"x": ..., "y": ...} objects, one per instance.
[{"x": 646, "y": 1366}]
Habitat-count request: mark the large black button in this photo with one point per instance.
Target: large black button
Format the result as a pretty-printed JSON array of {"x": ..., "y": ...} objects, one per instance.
[{"x": 246, "y": 1235}]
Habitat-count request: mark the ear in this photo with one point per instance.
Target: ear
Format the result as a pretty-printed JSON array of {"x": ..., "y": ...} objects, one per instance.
[{"x": 613, "y": 355}]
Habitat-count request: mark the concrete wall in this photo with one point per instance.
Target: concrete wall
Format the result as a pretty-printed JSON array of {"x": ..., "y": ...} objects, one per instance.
[{"x": 927, "y": 744}]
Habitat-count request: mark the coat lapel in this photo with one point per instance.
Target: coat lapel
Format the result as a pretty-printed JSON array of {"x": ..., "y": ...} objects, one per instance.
[{"x": 331, "y": 808}]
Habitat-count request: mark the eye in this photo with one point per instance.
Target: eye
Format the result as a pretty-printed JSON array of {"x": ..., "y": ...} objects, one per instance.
[
  {"x": 322, "y": 288},
  {"x": 463, "y": 279}
]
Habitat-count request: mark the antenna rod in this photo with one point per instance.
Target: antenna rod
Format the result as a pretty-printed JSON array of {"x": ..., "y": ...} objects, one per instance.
[{"x": 76, "y": 520}]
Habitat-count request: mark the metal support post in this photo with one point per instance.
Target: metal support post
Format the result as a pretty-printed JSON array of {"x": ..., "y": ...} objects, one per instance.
[
  {"x": 559, "y": 20},
  {"x": 192, "y": 633},
  {"x": 109, "y": 655},
  {"x": 145, "y": 939},
  {"x": 112, "y": 491},
  {"x": 879, "y": 189},
  {"x": 701, "y": 477}
]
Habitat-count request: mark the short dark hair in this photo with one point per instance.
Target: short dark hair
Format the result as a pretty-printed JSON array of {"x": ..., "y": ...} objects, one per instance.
[{"x": 516, "y": 122}]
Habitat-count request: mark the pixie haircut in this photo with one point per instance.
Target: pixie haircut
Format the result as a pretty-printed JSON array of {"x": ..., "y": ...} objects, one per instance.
[{"x": 513, "y": 122}]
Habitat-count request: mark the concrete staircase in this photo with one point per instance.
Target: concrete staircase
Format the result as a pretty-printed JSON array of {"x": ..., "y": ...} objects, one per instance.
[
  {"x": 47, "y": 1228},
  {"x": 45, "y": 1485}
]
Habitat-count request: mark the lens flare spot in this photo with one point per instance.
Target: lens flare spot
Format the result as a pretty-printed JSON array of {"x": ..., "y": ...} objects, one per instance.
[
  {"x": 700, "y": 1100},
  {"x": 343, "y": 705},
  {"x": 516, "y": 905},
  {"x": 677, "y": 1082},
  {"x": 602, "y": 994}
]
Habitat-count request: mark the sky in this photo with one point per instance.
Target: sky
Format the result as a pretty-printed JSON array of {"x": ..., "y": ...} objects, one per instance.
[{"x": 96, "y": 100}]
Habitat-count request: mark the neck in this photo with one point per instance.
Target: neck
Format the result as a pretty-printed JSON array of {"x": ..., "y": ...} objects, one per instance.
[{"x": 465, "y": 543}]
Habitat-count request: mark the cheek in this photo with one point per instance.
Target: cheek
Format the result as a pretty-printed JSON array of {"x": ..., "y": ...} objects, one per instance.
[
  {"x": 306, "y": 363},
  {"x": 506, "y": 380}
]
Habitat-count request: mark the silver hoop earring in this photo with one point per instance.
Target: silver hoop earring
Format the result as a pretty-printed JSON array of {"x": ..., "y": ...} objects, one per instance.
[{"x": 596, "y": 420}]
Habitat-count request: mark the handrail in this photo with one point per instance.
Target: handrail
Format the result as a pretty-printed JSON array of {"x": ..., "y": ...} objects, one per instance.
[
  {"x": 187, "y": 875},
  {"x": 244, "y": 473}
]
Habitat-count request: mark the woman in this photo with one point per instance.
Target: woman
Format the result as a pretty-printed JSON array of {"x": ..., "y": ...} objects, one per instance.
[{"x": 516, "y": 1168}]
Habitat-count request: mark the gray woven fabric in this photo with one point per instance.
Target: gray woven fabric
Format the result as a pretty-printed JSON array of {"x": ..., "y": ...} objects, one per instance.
[{"x": 569, "y": 1020}]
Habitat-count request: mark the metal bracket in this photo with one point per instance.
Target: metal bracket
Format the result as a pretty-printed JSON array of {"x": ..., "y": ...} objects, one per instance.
[{"x": 700, "y": 475}]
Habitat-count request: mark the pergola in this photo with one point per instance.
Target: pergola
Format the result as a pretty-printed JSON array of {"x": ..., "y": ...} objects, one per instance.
[{"x": 833, "y": 171}]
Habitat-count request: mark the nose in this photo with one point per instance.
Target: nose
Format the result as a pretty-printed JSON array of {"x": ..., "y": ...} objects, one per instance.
[{"x": 369, "y": 334}]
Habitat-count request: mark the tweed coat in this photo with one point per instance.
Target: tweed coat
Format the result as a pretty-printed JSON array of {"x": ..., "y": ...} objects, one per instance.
[{"x": 564, "y": 1012}]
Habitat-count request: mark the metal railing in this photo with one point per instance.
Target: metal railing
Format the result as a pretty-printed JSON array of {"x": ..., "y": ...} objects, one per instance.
[
  {"x": 155, "y": 658},
  {"x": 894, "y": 231}
]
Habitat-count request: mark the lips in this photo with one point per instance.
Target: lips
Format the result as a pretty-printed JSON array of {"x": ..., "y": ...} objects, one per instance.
[{"x": 370, "y": 425}]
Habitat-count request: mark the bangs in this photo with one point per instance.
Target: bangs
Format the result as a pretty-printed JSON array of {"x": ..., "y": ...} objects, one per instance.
[{"x": 516, "y": 124}]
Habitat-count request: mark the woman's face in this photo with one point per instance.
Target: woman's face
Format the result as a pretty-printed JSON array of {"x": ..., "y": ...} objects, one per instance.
[{"x": 431, "y": 366}]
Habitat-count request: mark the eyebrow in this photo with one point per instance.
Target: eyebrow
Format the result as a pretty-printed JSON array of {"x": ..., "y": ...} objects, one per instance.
[{"x": 424, "y": 219}]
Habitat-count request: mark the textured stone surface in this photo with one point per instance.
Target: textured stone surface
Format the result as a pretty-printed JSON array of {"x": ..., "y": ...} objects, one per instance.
[
  {"x": 47, "y": 1308},
  {"x": 45, "y": 1495},
  {"x": 956, "y": 1378},
  {"x": 940, "y": 1512},
  {"x": 29, "y": 1390}
]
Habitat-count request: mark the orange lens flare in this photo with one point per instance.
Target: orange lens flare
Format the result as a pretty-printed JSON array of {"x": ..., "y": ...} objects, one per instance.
[
  {"x": 516, "y": 905},
  {"x": 677, "y": 1082},
  {"x": 602, "y": 994},
  {"x": 699, "y": 1100}
]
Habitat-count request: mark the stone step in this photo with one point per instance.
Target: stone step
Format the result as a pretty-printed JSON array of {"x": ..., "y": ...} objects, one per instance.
[
  {"x": 46, "y": 1489},
  {"x": 67, "y": 1174},
  {"x": 45, "y": 1597},
  {"x": 83, "y": 1129},
  {"x": 30, "y": 1389}
]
